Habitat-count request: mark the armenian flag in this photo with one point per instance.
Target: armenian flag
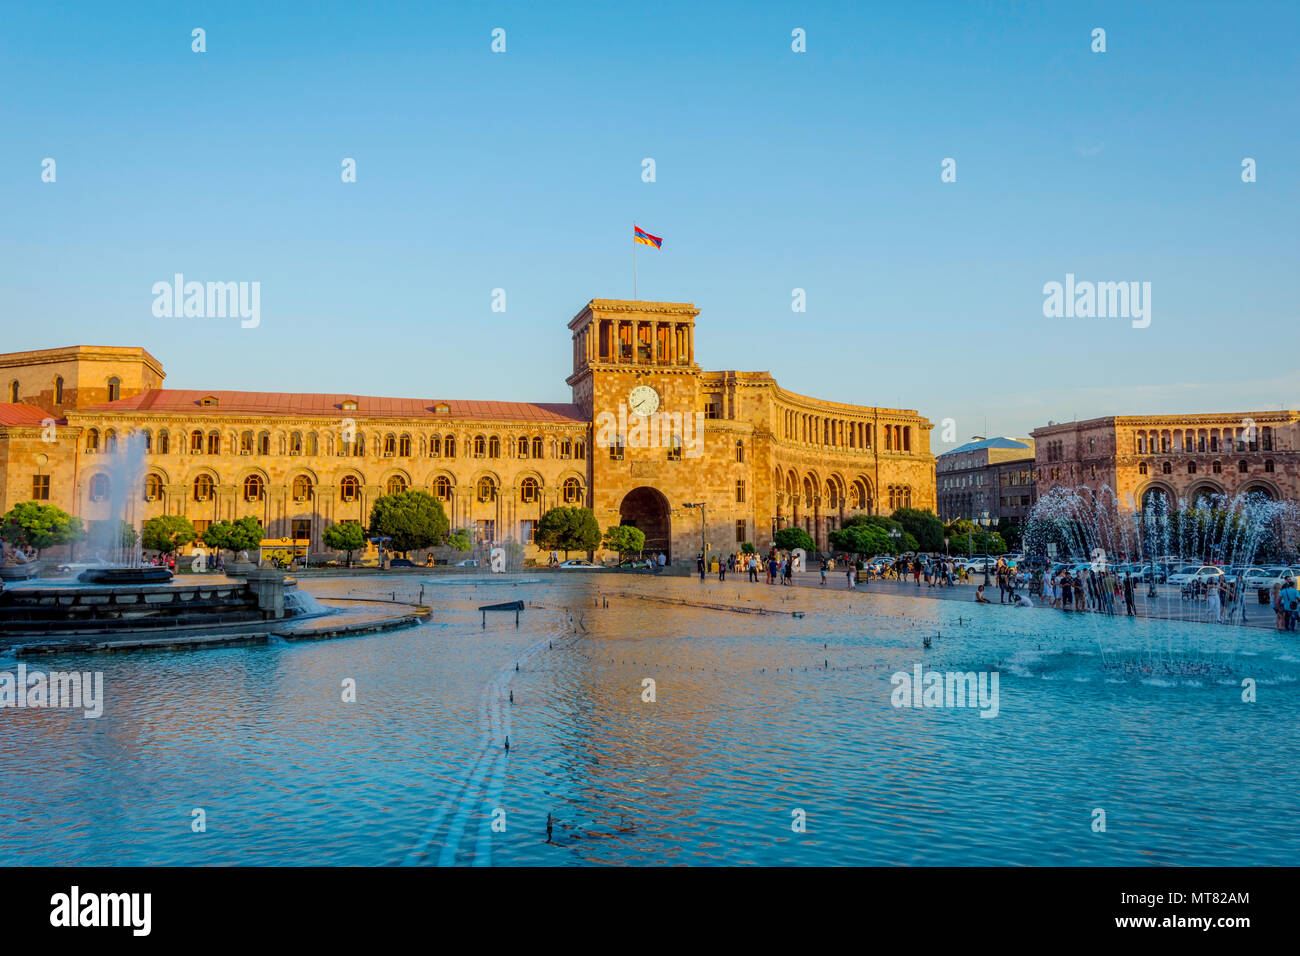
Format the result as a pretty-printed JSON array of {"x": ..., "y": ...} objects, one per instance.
[{"x": 643, "y": 237}]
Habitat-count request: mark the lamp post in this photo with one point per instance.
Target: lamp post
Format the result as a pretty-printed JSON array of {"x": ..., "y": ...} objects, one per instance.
[
  {"x": 703, "y": 545},
  {"x": 984, "y": 523},
  {"x": 894, "y": 535}
]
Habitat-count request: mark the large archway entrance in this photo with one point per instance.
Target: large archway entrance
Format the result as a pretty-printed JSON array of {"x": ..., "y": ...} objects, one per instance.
[{"x": 647, "y": 509}]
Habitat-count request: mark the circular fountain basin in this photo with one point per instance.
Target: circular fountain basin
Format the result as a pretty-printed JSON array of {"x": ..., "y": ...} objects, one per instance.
[{"x": 124, "y": 576}]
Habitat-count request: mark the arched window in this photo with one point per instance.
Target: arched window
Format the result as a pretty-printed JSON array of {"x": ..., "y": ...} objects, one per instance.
[
  {"x": 58, "y": 390},
  {"x": 253, "y": 488},
  {"x": 537, "y": 447},
  {"x": 449, "y": 447},
  {"x": 740, "y": 450},
  {"x": 1268, "y": 466},
  {"x": 114, "y": 389},
  {"x": 1142, "y": 468},
  {"x": 494, "y": 447},
  {"x": 246, "y": 443},
  {"x": 435, "y": 446},
  {"x": 203, "y": 488},
  {"x": 487, "y": 489},
  {"x": 580, "y": 450},
  {"x": 153, "y": 487},
  {"x": 528, "y": 490},
  {"x": 99, "y": 487},
  {"x": 404, "y": 446},
  {"x": 1191, "y": 467},
  {"x": 1241, "y": 467},
  {"x": 164, "y": 442},
  {"x": 264, "y": 443},
  {"x": 196, "y": 442},
  {"x": 480, "y": 446},
  {"x": 295, "y": 443},
  {"x": 349, "y": 488},
  {"x": 1166, "y": 468},
  {"x": 396, "y": 485},
  {"x": 359, "y": 445},
  {"x": 1217, "y": 467},
  {"x": 674, "y": 448},
  {"x": 442, "y": 488},
  {"x": 214, "y": 443},
  {"x": 13, "y": 392},
  {"x": 312, "y": 445},
  {"x": 302, "y": 488},
  {"x": 616, "y": 448},
  {"x": 92, "y": 440},
  {"x": 522, "y": 446},
  {"x": 110, "y": 441},
  {"x": 390, "y": 445},
  {"x": 571, "y": 491}
]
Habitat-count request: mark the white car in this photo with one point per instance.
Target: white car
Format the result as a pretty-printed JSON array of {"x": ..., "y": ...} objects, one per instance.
[
  {"x": 467, "y": 563},
  {"x": 1267, "y": 577},
  {"x": 76, "y": 567},
  {"x": 580, "y": 564},
  {"x": 1200, "y": 574}
]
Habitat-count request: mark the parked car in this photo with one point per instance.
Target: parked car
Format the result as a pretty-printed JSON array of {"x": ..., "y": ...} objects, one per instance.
[
  {"x": 467, "y": 563},
  {"x": 87, "y": 564},
  {"x": 1198, "y": 574},
  {"x": 402, "y": 563},
  {"x": 1271, "y": 575},
  {"x": 580, "y": 564}
]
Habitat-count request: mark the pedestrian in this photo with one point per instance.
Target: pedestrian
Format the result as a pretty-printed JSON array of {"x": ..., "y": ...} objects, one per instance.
[
  {"x": 823, "y": 571},
  {"x": 699, "y": 563},
  {"x": 1129, "y": 609}
]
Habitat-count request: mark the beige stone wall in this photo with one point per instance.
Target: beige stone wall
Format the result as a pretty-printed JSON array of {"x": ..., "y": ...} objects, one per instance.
[{"x": 85, "y": 370}]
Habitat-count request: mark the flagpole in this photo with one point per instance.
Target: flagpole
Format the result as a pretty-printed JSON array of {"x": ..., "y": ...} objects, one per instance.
[{"x": 634, "y": 245}]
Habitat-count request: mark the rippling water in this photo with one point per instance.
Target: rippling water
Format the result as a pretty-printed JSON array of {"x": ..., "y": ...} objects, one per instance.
[{"x": 757, "y": 716}]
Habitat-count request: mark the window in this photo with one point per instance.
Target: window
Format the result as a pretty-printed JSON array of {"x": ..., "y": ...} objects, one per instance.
[
  {"x": 99, "y": 487},
  {"x": 740, "y": 532},
  {"x": 164, "y": 442},
  {"x": 396, "y": 485},
  {"x": 566, "y": 448},
  {"x": 40, "y": 487},
  {"x": 616, "y": 448},
  {"x": 1142, "y": 468},
  {"x": 740, "y": 493},
  {"x": 449, "y": 446},
  {"x": 441, "y": 409},
  {"x": 302, "y": 489},
  {"x": 349, "y": 488},
  {"x": 209, "y": 401},
  {"x": 114, "y": 389},
  {"x": 442, "y": 488},
  {"x": 390, "y": 446},
  {"x": 110, "y": 441},
  {"x": 521, "y": 448},
  {"x": 1166, "y": 468},
  {"x": 537, "y": 448},
  {"x": 494, "y": 447},
  {"x": 200, "y": 526},
  {"x": 528, "y": 531},
  {"x": 435, "y": 446},
  {"x": 214, "y": 443},
  {"x": 196, "y": 442},
  {"x": 674, "y": 448},
  {"x": 487, "y": 489},
  {"x": 153, "y": 487},
  {"x": 580, "y": 450},
  {"x": 92, "y": 441},
  {"x": 571, "y": 491},
  {"x": 253, "y": 488},
  {"x": 246, "y": 443},
  {"x": 740, "y": 451},
  {"x": 1217, "y": 468},
  {"x": 295, "y": 443},
  {"x": 359, "y": 445},
  {"x": 1191, "y": 467},
  {"x": 404, "y": 446},
  {"x": 486, "y": 532},
  {"x": 264, "y": 443},
  {"x": 528, "y": 490},
  {"x": 203, "y": 487},
  {"x": 58, "y": 390},
  {"x": 350, "y": 405},
  {"x": 1241, "y": 467},
  {"x": 301, "y": 529},
  {"x": 1268, "y": 466},
  {"x": 713, "y": 406},
  {"x": 312, "y": 446}
]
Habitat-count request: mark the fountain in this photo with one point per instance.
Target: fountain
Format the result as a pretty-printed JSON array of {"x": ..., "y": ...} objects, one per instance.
[
  {"x": 117, "y": 540},
  {"x": 1082, "y": 525}
]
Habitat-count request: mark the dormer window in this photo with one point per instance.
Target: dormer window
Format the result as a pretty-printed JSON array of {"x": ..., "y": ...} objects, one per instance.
[
  {"x": 350, "y": 405},
  {"x": 209, "y": 401},
  {"x": 441, "y": 409}
]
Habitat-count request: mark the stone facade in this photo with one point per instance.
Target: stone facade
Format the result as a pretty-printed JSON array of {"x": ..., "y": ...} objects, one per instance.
[
  {"x": 755, "y": 456},
  {"x": 993, "y": 475},
  {"x": 1179, "y": 456}
]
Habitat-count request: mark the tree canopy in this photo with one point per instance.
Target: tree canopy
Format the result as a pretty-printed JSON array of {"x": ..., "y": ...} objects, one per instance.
[
  {"x": 411, "y": 519},
  {"x": 861, "y": 539},
  {"x": 346, "y": 536},
  {"x": 32, "y": 524},
  {"x": 924, "y": 526},
  {"x": 242, "y": 534},
  {"x": 167, "y": 533},
  {"x": 568, "y": 529},
  {"x": 788, "y": 539},
  {"x": 625, "y": 539}
]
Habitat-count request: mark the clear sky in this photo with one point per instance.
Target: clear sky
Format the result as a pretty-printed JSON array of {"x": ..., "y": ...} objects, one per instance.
[{"x": 775, "y": 170}]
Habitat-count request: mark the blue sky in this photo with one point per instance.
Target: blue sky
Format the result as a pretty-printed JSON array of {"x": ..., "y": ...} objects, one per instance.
[{"x": 775, "y": 170}]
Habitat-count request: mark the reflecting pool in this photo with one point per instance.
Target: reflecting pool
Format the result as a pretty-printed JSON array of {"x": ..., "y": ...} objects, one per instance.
[{"x": 761, "y": 723}]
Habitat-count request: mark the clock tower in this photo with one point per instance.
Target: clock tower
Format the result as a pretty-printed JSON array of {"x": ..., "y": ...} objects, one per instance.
[{"x": 636, "y": 379}]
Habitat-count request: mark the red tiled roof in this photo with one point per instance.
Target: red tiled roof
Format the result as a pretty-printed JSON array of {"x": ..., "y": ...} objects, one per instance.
[
  {"x": 11, "y": 414},
  {"x": 368, "y": 406}
]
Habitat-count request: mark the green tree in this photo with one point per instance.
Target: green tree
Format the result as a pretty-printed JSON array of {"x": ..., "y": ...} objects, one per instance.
[
  {"x": 747, "y": 547},
  {"x": 568, "y": 529},
  {"x": 242, "y": 534},
  {"x": 32, "y": 524},
  {"x": 412, "y": 519},
  {"x": 861, "y": 539},
  {"x": 788, "y": 539},
  {"x": 459, "y": 540},
  {"x": 924, "y": 526},
  {"x": 167, "y": 533},
  {"x": 346, "y": 536},
  {"x": 624, "y": 539}
]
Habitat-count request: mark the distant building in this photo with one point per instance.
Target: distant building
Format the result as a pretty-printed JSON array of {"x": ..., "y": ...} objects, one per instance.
[
  {"x": 1174, "y": 456},
  {"x": 994, "y": 475}
]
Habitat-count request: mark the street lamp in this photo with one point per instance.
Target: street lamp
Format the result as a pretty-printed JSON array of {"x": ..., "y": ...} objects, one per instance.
[
  {"x": 984, "y": 523},
  {"x": 703, "y": 545}
]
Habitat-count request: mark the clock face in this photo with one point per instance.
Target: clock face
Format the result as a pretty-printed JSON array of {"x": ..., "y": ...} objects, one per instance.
[{"x": 643, "y": 400}]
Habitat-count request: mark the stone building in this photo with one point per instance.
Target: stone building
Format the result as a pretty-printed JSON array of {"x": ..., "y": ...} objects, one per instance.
[
  {"x": 646, "y": 433},
  {"x": 991, "y": 477},
  {"x": 1175, "y": 456}
]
